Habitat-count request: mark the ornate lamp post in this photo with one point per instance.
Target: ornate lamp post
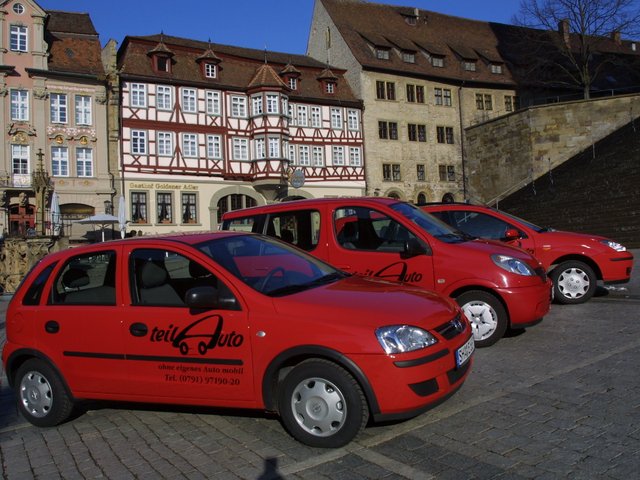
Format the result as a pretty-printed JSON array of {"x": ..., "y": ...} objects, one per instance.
[{"x": 41, "y": 184}]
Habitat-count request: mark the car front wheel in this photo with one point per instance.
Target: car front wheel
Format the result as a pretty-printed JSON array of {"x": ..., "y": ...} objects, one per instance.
[
  {"x": 486, "y": 314},
  {"x": 321, "y": 404},
  {"x": 573, "y": 282},
  {"x": 42, "y": 398}
]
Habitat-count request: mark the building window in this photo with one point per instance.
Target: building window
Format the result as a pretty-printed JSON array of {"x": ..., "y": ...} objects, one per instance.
[
  {"x": 20, "y": 159},
  {"x": 164, "y": 97},
  {"x": 18, "y": 8},
  {"x": 411, "y": 93},
  {"x": 138, "y": 142},
  {"x": 437, "y": 92},
  {"x": 274, "y": 147},
  {"x": 256, "y": 105},
  {"x": 408, "y": 57},
  {"x": 259, "y": 148},
  {"x": 445, "y": 134},
  {"x": 316, "y": 117},
  {"x": 165, "y": 144},
  {"x": 234, "y": 202},
  {"x": 214, "y": 146},
  {"x": 387, "y": 130},
  {"x": 20, "y": 105},
  {"x": 469, "y": 66},
  {"x": 213, "y": 102},
  {"x": 355, "y": 156},
  {"x": 240, "y": 148},
  {"x": 385, "y": 90},
  {"x": 496, "y": 69},
  {"x": 447, "y": 97},
  {"x": 353, "y": 120},
  {"x": 189, "y": 208},
  {"x": 417, "y": 133},
  {"x": 238, "y": 106},
  {"x": 84, "y": 162},
  {"x": 303, "y": 115},
  {"x": 420, "y": 172},
  {"x": 189, "y": 103},
  {"x": 164, "y": 206},
  {"x": 138, "y": 95},
  {"x": 272, "y": 104},
  {"x": 336, "y": 118},
  {"x": 488, "y": 102},
  {"x": 510, "y": 103},
  {"x": 419, "y": 94},
  {"x": 318, "y": 156},
  {"x": 391, "y": 172},
  {"x": 479, "y": 101},
  {"x": 210, "y": 70},
  {"x": 337, "y": 155},
  {"x": 139, "y": 207},
  {"x": 162, "y": 63},
  {"x": 83, "y": 110},
  {"x": 330, "y": 87},
  {"x": 447, "y": 173},
  {"x": 60, "y": 161},
  {"x": 437, "y": 62},
  {"x": 303, "y": 155},
  {"x": 292, "y": 154},
  {"x": 18, "y": 38},
  {"x": 58, "y": 103},
  {"x": 382, "y": 53},
  {"x": 293, "y": 83}
]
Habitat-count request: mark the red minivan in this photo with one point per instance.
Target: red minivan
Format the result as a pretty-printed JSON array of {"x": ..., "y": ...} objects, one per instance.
[
  {"x": 574, "y": 261},
  {"x": 497, "y": 286}
]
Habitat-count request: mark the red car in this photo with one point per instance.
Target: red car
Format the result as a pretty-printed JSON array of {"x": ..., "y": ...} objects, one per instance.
[
  {"x": 230, "y": 320},
  {"x": 496, "y": 285},
  {"x": 574, "y": 261}
]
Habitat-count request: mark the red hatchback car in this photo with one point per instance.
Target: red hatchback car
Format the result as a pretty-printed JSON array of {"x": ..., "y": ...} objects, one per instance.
[
  {"x": 574, "y": 261},
  {"x": 231, "y": 320}
]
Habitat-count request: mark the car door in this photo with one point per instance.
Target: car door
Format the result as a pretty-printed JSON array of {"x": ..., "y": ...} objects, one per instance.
[
  {"x": 82, "y": 326},
  {"x": 369, "y": 242},
  {"x": 176, "y": 352}
]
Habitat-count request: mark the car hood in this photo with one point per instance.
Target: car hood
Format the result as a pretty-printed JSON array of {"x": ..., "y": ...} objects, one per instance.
[
  {"x": 369, "y": 302},
  {"x": 490, "y": 247}
]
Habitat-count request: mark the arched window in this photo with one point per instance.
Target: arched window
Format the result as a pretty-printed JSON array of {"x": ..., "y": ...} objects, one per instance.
[
  {"x": 234, "y": 201},
  {"x": 448, "y": 198},
  {"x": 422, "y": 199}
]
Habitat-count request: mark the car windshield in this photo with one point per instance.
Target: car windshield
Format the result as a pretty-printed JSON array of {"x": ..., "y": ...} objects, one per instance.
[
  {"x": 268, "y": 265},
  {"x": 435, "y": 227},
  {"x": 532, "y": 226}
]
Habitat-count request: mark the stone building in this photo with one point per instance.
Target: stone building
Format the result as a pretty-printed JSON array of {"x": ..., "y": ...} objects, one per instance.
[
  {"x": 208, "y": 128},
  {"x": 53, "y": 107}
]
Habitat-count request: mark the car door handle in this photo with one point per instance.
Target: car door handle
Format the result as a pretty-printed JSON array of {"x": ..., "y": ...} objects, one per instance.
[
  {"x": 138, "y": 329},
  {"x": 52, "y": 326}
]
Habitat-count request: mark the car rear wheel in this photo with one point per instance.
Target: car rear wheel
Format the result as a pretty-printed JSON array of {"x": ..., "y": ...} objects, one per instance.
[
  {"x": 486, "y": 314},
  {"x": 42, "y": 397},
  {"x": 321, "y": 404},
  {"x": 573, "y": 282}
]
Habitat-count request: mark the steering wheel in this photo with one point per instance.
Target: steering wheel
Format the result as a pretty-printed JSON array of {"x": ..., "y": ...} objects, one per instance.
[{"x": 269, "y": 276}]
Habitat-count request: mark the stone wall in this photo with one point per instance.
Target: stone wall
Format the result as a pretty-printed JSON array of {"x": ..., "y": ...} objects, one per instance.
[{"x": 504, "y": 154}]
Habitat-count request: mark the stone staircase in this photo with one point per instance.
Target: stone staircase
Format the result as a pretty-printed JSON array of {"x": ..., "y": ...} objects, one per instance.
[{"x": 596, "y": 191}]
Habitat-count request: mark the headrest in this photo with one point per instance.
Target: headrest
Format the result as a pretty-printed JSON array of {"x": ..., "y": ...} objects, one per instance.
[
  {"x": 153, "y": 275},
  {"x": 75, "y": 278},
  {"x": 197, "y": 271}
]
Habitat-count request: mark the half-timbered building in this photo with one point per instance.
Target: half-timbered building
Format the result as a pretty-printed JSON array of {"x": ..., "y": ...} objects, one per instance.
[{"x": 208, "y": 128}]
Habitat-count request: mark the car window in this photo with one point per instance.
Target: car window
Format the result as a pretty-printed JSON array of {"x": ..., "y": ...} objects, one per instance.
[
  {"x": 361, "y": 228},
  {"x": 300, "y": 228},
  {"x": 252, "y": 223},
  {"x": 88, "y": 279},
  {"x": 480, "y": 224},
  {"x": 34, "y": 292}
]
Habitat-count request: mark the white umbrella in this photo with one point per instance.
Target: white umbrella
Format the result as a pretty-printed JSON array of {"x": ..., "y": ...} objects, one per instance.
[
  {"x": 101, "y": 219},
  {"x": 122, "y": 216},
  {"x": 56, "y": 220}
]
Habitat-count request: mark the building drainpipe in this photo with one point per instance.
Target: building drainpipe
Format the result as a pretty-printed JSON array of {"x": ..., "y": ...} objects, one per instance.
[{"x": 464, "y": 174}]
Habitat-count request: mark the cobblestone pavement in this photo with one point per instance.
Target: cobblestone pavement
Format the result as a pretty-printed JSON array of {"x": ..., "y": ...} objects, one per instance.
[{"x": 561, "y": 400}]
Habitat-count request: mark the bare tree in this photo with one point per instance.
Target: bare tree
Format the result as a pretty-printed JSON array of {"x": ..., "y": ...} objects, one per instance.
[{"x": 575, "y": 41}]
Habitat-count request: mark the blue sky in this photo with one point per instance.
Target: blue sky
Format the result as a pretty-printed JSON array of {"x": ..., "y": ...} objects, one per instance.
[{"x": 279, "y": 25}]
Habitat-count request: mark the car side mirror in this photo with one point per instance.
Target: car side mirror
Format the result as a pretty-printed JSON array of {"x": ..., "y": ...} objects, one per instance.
[
  {"x": 210, "y": 298},
  {"x": 413, "y": 248},
  {"x": 511, "y": 234}
]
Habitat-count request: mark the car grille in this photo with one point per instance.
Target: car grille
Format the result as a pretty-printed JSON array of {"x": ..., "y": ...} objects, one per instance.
[{"x": 452, "y": 328}]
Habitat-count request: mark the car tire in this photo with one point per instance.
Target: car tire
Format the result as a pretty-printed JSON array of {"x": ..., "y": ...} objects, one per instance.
[
  {"x": 41, "y": 395},
  {"x": 573, "y": 282},
  {"x": 321, "y": 404},
  {"x": 486, "y": 314}
]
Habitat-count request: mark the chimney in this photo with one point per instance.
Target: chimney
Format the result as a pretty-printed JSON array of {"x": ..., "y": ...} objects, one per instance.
[
  {"x": 615, "y": 36},
  {"x": 563, "y": 29}
]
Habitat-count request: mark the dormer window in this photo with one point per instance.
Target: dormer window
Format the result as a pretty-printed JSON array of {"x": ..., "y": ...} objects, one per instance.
[
  {"x": 382, "y": 53},
  {"x": 209, "y": 63},
  {"x": 330, "y": 87},
  {"x": 408, "y": 57},
  {"x": 437, "y": 62},
  {"x": 210, "y": 70},
  {"x": 469, "y": 66},
  {"x": 161, "y": 57},
  {"x": 496, "y": 69},
  {"x": 293, "y": 83},
  {"x": 163, "y": 64},
  {"x": 18, "y": 8}
]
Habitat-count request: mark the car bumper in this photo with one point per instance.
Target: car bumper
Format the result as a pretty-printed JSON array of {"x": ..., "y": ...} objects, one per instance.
[
  {"x": 527, "y": 305},
  {"x": 616, "y": 269}
]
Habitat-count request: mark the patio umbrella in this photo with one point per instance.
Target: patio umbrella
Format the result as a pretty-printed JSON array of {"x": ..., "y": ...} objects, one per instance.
[
  {"x": 103, "y": 220},
  {"x": 56, "y": 220},
  {"x": 122, "y": 216}
]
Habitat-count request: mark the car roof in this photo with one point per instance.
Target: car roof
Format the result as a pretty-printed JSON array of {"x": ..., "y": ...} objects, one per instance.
[
  {"x": 310, "y": 203},
  {"x": 452, "y": 206}
]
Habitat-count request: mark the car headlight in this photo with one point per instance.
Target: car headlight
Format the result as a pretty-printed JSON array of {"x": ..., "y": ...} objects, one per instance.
[
  {"x": 513, "y": 265},
  {"x": 615, "y": 245},
  {"x": 404, "y": 338}
]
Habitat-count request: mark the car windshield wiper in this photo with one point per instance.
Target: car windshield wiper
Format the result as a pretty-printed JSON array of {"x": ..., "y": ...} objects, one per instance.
[{"x": 299, "y": 287}]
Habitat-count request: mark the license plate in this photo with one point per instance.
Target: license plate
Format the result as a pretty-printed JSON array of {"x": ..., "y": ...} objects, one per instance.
[{"x": 463, "y": 354}]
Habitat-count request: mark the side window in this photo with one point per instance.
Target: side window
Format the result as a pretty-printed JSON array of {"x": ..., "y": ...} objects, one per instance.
[
  {"x": 32, "y": 297},
  {"x": 359, "y": 228},
  {"x": 244, "y": 224},
  {"x": 88, "y": 279},
  {"x": 300, "y": 228},
  {"x": 480, "y": 225},
  {"x": 162, "y": 277}
]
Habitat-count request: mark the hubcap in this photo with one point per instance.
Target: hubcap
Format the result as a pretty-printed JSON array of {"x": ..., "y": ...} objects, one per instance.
[
  {"x": 573, "y": 283},
  {"x": 36, "y": 394},
  {"x": 483, "y": 319},
  {"x": 319, "y": 407}
]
